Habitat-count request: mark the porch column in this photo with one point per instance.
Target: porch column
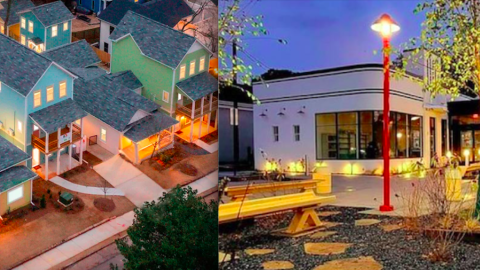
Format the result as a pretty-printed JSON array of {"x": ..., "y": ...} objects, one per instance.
[
  {"x": 201, "y": 119},
  {"x": 81, "y": 142},
  {"x": 136, "y": 152},
  {"x": 210, "y": 113},
  {"x": 70, "y": 149},
  {"x": 191, "y": 122},
  {"x": 58, "y": 150},
  {"x": 46, "y": 156},
  {"x": 216, "y": 120},
  {"x": 173, "y": 134}
]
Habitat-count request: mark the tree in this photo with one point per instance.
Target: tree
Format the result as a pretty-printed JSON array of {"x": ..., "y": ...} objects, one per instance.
[
  {"x": 450, "y": 40},
  {"x": 202, "y": 23},
  {"x": 180, "y": 231},
  {"x": 7, "y": 17}
]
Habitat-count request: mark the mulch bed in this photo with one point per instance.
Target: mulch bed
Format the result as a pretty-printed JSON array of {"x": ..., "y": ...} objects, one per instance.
[
  {"x": 210, "y": 138},
  {"x": 176, "y": 153},
  {"x": 104, "y": 204},
  {"x": 187, "y": 169},
  {"x": 399, "y": 249},
  {"x": 91, "y": 159}
]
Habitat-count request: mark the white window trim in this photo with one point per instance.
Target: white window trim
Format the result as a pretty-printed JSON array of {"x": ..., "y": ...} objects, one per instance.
[
  {"x": 53, "y": 93},
  {"x": 23, "y": 22},
  {"x": 39, "y": 105},
  {"x": 190, "y": 73},
  {"x": 295, "y": 134},
  {"x": 101, "y": 129},
  {"x": 23, "y": 40},
  {"x": 276, "y": 136},
  {"x": 20, "y": 126},
  {"x": 55, "y": 30},
  {"x": 13, "y": 190},
  {"x": 60, "y": 89},
  {"x": 65, "y": 26},
  {"x": 163, "y": 96},
  {"x": 30, "y": 23},
  {"x": 184, "y": 71},
  {"x": 200, "y": 66}
]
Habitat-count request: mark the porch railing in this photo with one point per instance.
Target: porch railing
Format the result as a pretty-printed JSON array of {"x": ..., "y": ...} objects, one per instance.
[
  {"x": 40, "y": 143},
  {"x": 187, "y": 110}
]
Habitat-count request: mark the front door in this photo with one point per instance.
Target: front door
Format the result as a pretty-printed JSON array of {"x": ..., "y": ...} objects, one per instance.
[
  {"x": 466, "y": 143},
  {"x": 35, "y": 157}
]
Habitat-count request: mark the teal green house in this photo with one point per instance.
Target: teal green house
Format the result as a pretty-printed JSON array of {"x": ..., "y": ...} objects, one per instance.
[
  {"x": 173, "y": 69},
  {"x": 46, "y": 27},
  {"x": 37, "y": 111}
]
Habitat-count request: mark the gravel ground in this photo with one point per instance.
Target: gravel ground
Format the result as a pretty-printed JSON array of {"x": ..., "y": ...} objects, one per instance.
[{"x": 394, "y": 250}]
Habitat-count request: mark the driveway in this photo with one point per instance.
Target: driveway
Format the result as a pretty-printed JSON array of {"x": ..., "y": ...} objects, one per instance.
[{"x": 137, "y": 186}]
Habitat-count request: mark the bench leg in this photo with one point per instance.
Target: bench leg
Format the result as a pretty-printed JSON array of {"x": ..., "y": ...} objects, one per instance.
[
  {"x": 304, "y": 220},
  {"x": 239, "y": 198}
]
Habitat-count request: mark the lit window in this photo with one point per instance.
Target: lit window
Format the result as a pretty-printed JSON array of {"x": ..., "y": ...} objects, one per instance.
[
  {"x": 19, "y": 126},
  {"x": 202, "y": 64},
  {"x": 182, "y": 71},
  {"x": 179, "y": 96},
  {"x": 103, "y": 135},
  {"x": 78, "y": 122},
  {"x": 30, "y": 27},
  {"x": 0, "y": 87},
  {"x": 192, "y": 68},
  {"x": 2, "y": 29},
  {"x": 65, "y": 26},
  {"x": 296, "y": 133},
  {"x": 165, "y": 96},
  {"x": 50, "y": 93},
  {"x": 23, "y": 22},
  {"x": 54, "y": 30},
  {"x": 63, "y": 89},
  {"x": 275, "y": 134},
  {"x": 23, "y": 40},
  {"x": 15, "y": 194},
  {"x": 37, "y": 99}
]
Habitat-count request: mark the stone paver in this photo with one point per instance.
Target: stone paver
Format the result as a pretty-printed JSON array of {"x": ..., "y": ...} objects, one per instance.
[
  {"x": 222, "y": 257},
  {"x": 391, "y": 227},
  {"x": 327, "y": 224},
  {"x": 322, "y": 234},
  {"x": 277, "y": 265},
  {"x": 252, "y": 251},
  {"x": 326, "y": 248},
  {"x": 366, "y": 222},
  {"x": 360, "y": 263},
  {"x": 328, "y": 213},
  {"x": 86, "y": 189}
]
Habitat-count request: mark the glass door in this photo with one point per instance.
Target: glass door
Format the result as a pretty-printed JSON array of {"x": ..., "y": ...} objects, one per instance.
[
  {"x": 476, "y": 150},
  {"x": 466, "y": 143}
]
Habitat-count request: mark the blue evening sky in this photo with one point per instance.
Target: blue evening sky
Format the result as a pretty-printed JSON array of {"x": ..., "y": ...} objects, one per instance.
[{"x": 327, "y": 33}]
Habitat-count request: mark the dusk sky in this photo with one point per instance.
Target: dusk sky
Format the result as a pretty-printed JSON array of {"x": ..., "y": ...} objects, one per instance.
[{"x": 327, "y": 33}]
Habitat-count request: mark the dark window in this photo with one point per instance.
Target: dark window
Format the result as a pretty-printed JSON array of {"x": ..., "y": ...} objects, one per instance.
[
  {"x": 275, "y": 134},
  {"x": 347, "y": 135},
  {"x": 296, "y": 133},
  {"x": 444, "y": 136},
  {"x": 326, "y": 136},
  {"x": 401, "y": 135},
  {"x": 368, "y": 149},
  {"x": 432, "y": 137},
  {"x": 378, "y": 133},
  {"x": 105, "y": 47},
  {"x": 415, "y": 136},
  {"x": 93, "y": 5},
  {"x": 111, "y": 29}
]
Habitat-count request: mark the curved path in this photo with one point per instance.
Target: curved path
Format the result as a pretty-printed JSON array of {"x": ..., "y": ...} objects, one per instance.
[{"x": 86, "y": 189}]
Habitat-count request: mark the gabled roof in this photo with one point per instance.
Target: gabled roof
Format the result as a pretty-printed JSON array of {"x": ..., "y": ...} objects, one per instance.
[
  {"x": 20, "y": 67},
  {"x": 149, "y": 126},
  {"x": 15, "y": 176},
  {"x": 17, "y": 5},
  {"x": 127, "y": 78},
  {"x": 10, "y": 154},
  {"x": 77, "y": 54},
  {"x": 51, "y": 13},
  {"x": 110, "y": 101},
  {"x": 199, "y": 85},
  {"x": 56, "y": 116},
  {"x": 157, "y": 41},
  {"x": 168, "y": 12}
]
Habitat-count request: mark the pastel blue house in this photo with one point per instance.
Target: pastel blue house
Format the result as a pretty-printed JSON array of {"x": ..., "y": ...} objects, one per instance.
[
  {"x": 46, "y": 27},
  {"x": 37, "y": 111}
]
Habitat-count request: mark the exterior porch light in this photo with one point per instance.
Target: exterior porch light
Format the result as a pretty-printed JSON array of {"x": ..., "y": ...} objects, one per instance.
[
  {"x": 466, "y": 153},
  {"x": 281, "y": 112},
  {"x": 386, "y": 26},
  {"x": 449, "y": 154},
  {"x": 301, "y": 110},
  {"x": 263, "y": 113}
]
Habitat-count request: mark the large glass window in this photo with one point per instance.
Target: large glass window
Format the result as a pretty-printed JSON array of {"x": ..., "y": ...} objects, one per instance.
[
  {"x": 326, "y": 140},
  {"x": 359, "y": 135},
  {"x": 432, "y": 137}
]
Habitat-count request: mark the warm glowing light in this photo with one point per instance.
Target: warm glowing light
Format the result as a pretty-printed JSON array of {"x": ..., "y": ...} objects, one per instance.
[
  {"x": 385, "y": 25},
  {"x": 449, "y": 154},
  {"x": 181, "y": 118},
  {"x": 268, "y": 166},
  {"x": 475, "y": 116},
  {"x": 466, "y": 152},
  {"x": 399, "y": 135}
]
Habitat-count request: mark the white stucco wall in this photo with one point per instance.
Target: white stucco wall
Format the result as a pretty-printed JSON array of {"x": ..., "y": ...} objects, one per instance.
[
  {"x": 91, "y": 127},
  {"x": 339, "y": 91},
  {"x": 104, "y": 36}
]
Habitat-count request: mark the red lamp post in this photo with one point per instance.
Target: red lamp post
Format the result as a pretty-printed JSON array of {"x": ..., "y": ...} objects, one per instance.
[{"x": 385, "y": 25}]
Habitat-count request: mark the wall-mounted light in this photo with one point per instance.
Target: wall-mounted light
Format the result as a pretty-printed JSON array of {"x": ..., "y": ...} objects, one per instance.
[
  {"x": 302, "y": 110},
  {"x": 263, "y": 113},
  {"x": 281, "y": 112}
]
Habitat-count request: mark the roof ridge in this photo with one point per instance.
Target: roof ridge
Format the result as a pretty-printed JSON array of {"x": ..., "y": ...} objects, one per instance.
[
  {"x": 64, "y": 45},
  {"x": 47, "y": 4},
  {"x": 16, "y": 43}
]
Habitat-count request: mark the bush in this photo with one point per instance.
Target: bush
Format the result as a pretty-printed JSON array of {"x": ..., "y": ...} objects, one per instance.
[
  {"x": 43, "y": 202},
  {"x": 49, "y": 191}
]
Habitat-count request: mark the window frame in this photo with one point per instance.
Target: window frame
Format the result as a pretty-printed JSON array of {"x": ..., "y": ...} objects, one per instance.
[
  {"x": 39, "y": 92},
  {"x": 15, "y": 189},
  {"x": 102, "y": 129},
  {"x": 23, "y": 40},
  {"x": 184, "y": 67},
  {"x": 200, "y": 66},
  {"x": 54, "y": 30},
  {"x": 163, "y": 96},
  {"x": 60, "y": 89},
  {"x": 50, "y": 87},
  {"x": 66, "y": 26},
  {"x": 296, "y": 135},
  {"x": 276, "y": 133},
  {"x": 30, "y": 26},
  {"x": 19, "y": 126},
  {"x": 194, "y": 62},
  {"x": 23, "y": 22}
]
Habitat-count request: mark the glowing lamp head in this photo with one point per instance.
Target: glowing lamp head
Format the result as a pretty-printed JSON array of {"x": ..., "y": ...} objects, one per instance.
[
  {"x": 466, "y": 152},
  {"x": 385, "y": 25},
  {"x": 449, "y": 154}
]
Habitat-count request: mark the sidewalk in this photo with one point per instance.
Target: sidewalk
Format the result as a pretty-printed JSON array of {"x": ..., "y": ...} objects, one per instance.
[{"x": 86, "y": 189}]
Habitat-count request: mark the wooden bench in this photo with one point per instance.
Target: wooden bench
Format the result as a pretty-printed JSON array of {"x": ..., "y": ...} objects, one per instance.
[
  {"x": 303, "y": 204},
  {"x": 240, "y": 193}
]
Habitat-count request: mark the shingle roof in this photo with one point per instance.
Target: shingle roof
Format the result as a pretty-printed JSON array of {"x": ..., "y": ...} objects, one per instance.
[
  {"x": 110, "y": 101},
  {"x": 127, "y": 78},
  {"x": 17, "y": 5},
  {"x": 149, "y": 126},
  {"x": 58, "y": 115},
  {"x": 10, "y": 154},
  {"x": 15, "y": 176},
  {"x": 169, "y": 13},
  {"x": 156, "y": 40},
  {"x": 78, "y": 54},
  {"x": 199, "y": 85},
  {"x": 88, "y": 73},
  {"x": 51, "y": 13},
  {"x": 21, "y": 67}
]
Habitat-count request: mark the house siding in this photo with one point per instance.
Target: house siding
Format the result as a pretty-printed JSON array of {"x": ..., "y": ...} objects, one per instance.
[
  {"x": 154, "y": 76},
  {"x": 27, "y": 195},
  {"x": 196, "y": 55},
  {"x": 91, "y": 127},
  {"x": 12, "y": 109},
  {"x": 62, "y": 38},
  {"x": 38, "y": 28}
]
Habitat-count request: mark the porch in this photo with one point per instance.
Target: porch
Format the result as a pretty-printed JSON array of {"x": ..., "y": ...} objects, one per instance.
[
  {"x": 138, "y": 152},
  {"x": 200, "y": 107},
  {"x": 66, "y": 139},
  {"x": 194, "y": 132},
  {"x": 57, "y": 166}
]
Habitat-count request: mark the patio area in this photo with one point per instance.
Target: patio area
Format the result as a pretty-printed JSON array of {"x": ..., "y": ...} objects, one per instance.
[
  {"x": 185, "y": 132},
  {"x": 99, "y": 152},
  {"x": 146, "y": 148},
  {"x": 52, "y": 166}
]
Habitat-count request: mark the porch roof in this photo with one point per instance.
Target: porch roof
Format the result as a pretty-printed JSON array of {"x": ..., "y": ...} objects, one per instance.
[
  {"x": 15, "y": 176},
  {"x": 36, "y": 40},
  {"x": 58, "y": 115},
  {"x": 149, "y": 126},
  {"x": 199, "y": 85},
  {"x": 10, "y": 154}
]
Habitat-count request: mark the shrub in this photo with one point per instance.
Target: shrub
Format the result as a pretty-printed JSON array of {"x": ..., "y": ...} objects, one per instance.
[
  {"x": 43, "y": 202},
  {"x": 49, "y": 191}
]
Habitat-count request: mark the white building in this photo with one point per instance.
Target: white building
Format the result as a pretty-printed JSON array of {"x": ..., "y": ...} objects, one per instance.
[{"x": 334, "y": 117}]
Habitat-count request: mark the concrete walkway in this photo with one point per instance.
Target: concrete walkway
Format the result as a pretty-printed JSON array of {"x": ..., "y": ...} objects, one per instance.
[
  {"x": 86, "y": 189},
  {"x": 137, "y": 186},
  {"x": 209, "y": 147}
]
